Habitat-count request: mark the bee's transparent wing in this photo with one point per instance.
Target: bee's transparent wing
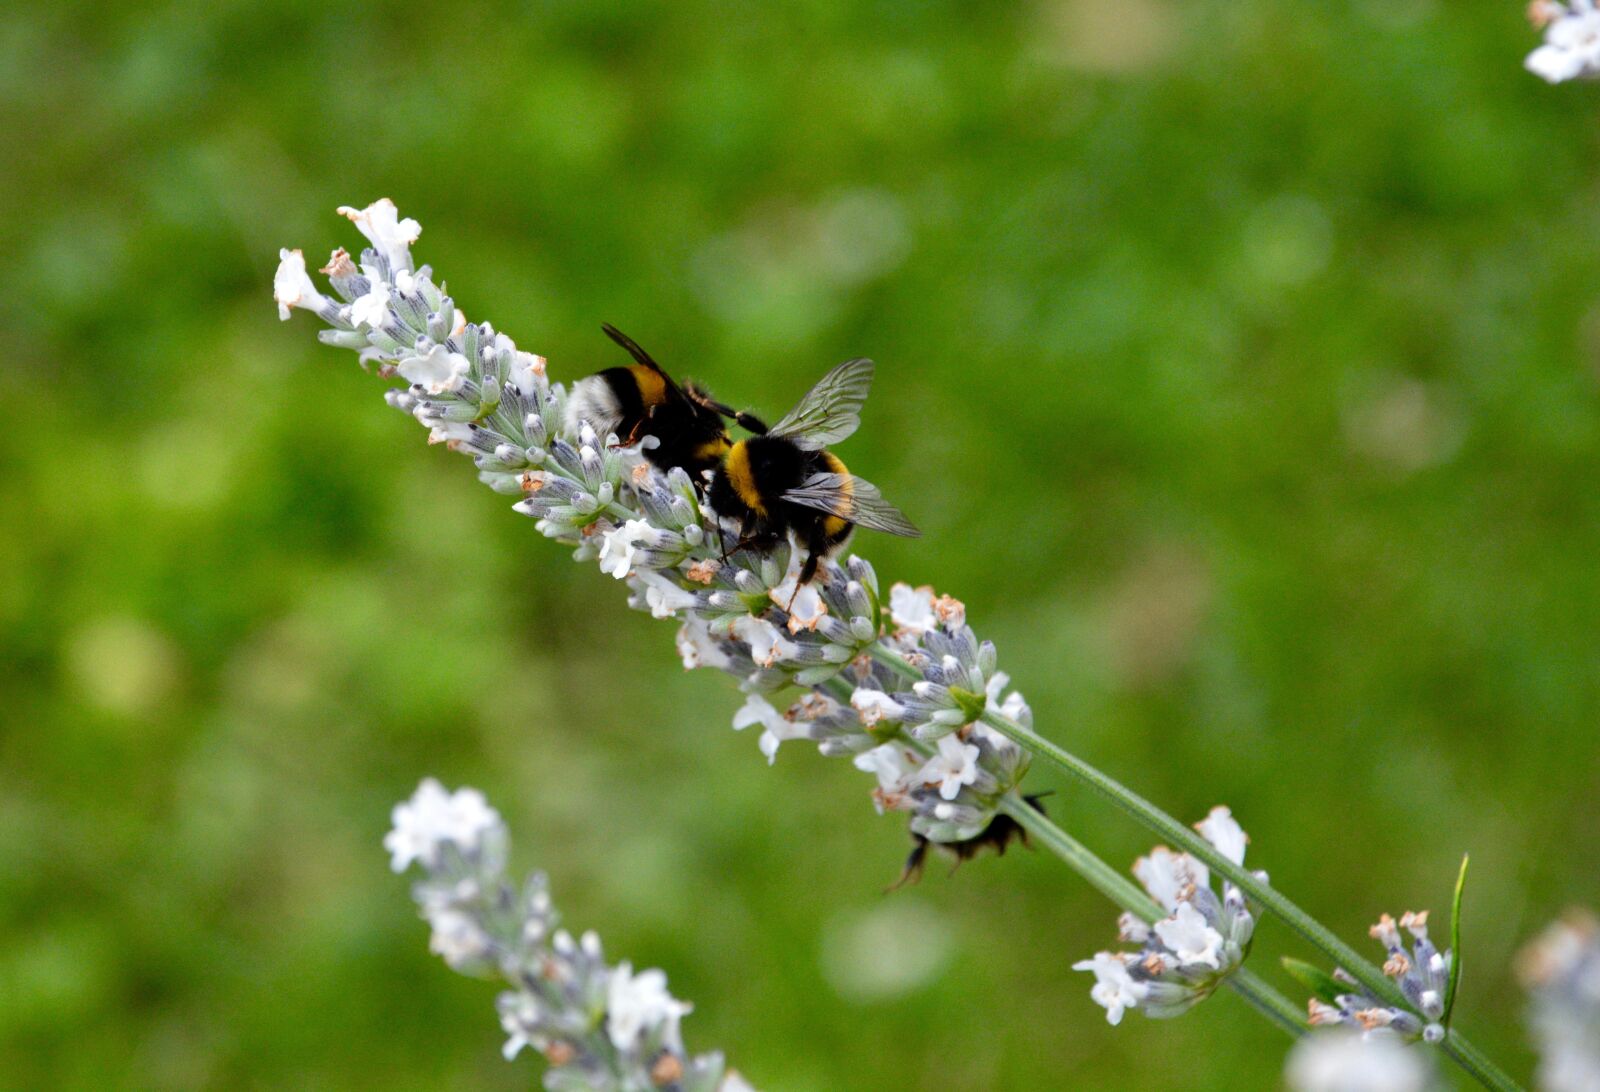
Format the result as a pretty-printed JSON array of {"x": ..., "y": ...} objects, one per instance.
[
  {"x": 854, "y": 499},
  {"x": 831, "y": 410}
]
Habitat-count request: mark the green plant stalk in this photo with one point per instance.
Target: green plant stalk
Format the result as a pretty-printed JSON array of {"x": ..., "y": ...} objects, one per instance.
[
  {"x": 1118, "y": 888},
  {"x": 1132, "y": 898},
  {"x": 1188, "y": 840}
]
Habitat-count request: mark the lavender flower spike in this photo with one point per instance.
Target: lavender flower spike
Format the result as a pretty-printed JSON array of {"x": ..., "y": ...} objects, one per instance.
[
  {"x": 1561, "y": 970},
  {"x": 1422, "y": 973},
  {"x": 478, "y": 394},
  {"x": 1185, "y": 956},
  {"x": 601, "y": 1027}
]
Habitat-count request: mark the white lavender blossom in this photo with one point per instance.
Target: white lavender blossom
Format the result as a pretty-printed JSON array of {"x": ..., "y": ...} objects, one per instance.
[
  {"x": 743, "y": 614},
  {"x": 1561, "y": 971},
  {"x": 602, "y": 1028},
  {"x": 1346, "y": 1061},
  {"x": 1185, "y": 956},
  {"x": 1422, "y": 973},
  {"x": 380, "y": 222},
  {"x": 1571, "y": 48},
  {"x": 433, "y": 821}
]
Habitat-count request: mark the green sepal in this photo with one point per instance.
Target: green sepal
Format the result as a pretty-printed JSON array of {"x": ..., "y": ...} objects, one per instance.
[
  {"x": 885, "y": 731},
  {"x": 488, "y": 404},
  {"x": 1322, "y": 985},
  {"x": 972, "y": 704},
  {"x": 1455, "y": 940}
]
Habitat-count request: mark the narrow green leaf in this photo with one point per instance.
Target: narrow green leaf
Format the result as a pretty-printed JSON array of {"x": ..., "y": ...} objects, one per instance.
[
  {"x": 1455, "y": 941},
  {"x": 1321, "y": 984}
]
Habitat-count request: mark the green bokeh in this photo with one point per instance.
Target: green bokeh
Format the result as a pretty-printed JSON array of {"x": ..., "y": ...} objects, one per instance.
[{"x": 1239, "y": 360}]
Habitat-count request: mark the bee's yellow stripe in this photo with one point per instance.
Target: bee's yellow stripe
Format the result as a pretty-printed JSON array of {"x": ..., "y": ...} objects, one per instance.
[
  {"x": 652, "y": 388},
  {"x": 712, "y": 449},
  {"x": 833, "y": 525},
  {"x": 737, "y": 467}
]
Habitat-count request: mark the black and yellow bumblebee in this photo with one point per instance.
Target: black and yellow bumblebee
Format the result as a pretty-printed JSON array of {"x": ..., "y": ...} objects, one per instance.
[
  {"x": 784, "y": 479},
  {"x": 640, "y": 399},
  {"x": 1000, "y": 833}
]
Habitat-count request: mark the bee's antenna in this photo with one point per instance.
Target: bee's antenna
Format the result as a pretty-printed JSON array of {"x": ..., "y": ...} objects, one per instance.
[{"x": 747, "y": 421}]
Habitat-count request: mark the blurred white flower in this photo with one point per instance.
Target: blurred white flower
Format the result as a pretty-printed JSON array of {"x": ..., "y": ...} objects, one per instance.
[
  {"x": 458, "y": 938},
  {"x": 954, "y": 764},
  {"x": 638, "y": 1004},
  {"x": 434, "y": 818},
  {"x": 1346, "y": 1061},
  {"x": 438, "y": 370},
  {"x": 1571, "y": 40},
  {"x": 391, "y": 236},
  {"x": 1561, "y": 970}
]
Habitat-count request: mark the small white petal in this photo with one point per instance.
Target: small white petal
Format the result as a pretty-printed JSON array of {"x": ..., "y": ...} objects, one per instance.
[
  {"x": 954, "y": 764},
  {"x": 1224, "y": 832},
  {"x": 698, "y": 648},
  {"x": 874, "y": 706},
  {"x": 895, "y": 767},
  {"x": 291, "y": 285},
  {"x": 1168, "y": 875},
  {"x": 438, "y": 370},
  {"x": 370, "y": 309},
  {"x": 767, "y": 643},
  {"x": 391, "y": 236},
  {"x": 620, "y": 544},
  {"x": 1114, "y": 989},
  {"x": 912, "y": 609},
  {"x": 1188, "y": 936}
]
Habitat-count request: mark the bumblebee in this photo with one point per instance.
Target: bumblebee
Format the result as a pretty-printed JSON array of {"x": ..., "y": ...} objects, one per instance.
[
  {"x": 1001, "y": 832},
  {"x": 640, "y": 399},
  {"x": 784, "y": 479}
]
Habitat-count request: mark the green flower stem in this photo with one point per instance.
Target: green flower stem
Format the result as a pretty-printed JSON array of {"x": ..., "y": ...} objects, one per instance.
[
  {"x": 1101, "y": 876},
  {"x": 1188, "y": 840},
  {"x": 1130, "y": 897},
  {"x": 1476, "y": 1063}
]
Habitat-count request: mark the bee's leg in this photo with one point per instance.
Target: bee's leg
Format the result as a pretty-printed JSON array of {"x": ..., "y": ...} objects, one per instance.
[
  {"x": 913, "y": 869},
  {"x": 637, "y": 433},
  {"x": 746, "y": 535},
  {"x": 816, "y": 550}
]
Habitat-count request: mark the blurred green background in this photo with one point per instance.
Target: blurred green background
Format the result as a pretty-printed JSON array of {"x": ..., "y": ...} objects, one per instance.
[{"x": 1239, "y": 360}]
